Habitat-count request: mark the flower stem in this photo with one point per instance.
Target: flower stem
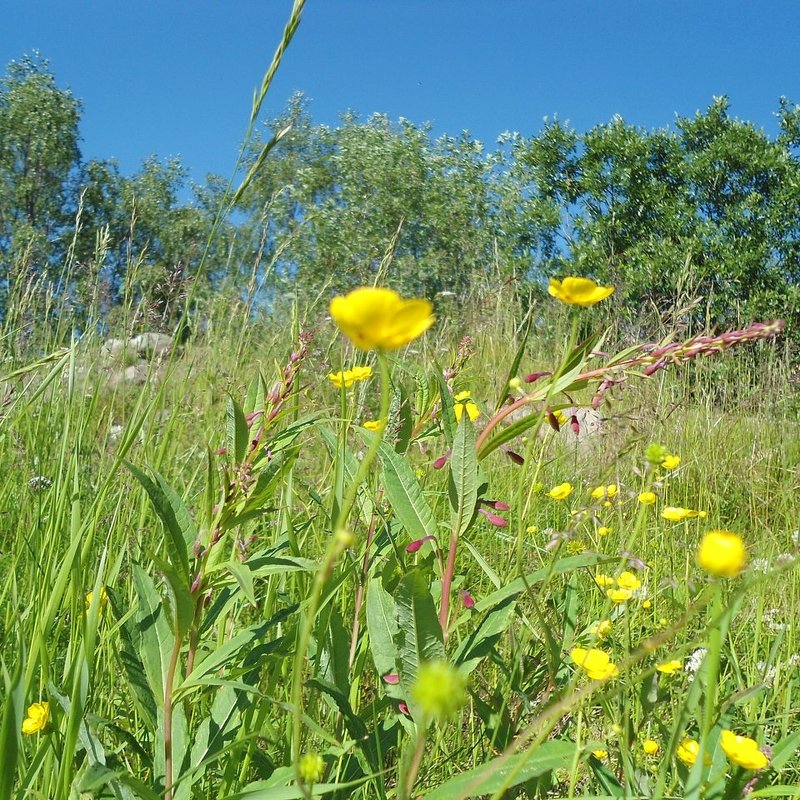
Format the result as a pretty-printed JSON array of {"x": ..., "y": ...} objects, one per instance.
[{"x": 337, "y": 545}]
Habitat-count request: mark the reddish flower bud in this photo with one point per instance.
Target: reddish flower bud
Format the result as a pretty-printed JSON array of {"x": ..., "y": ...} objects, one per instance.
[
  {"x": 552, "y": 421},
  {"x": 403, "y": 709},
  {"x": 534, "y": 376},
  {"x": 498, "y": 522},
  {"x": 575, "y": 425},
  {"x": 392, "y": 678},
  {"x": 467, "y": 598},
  {"x": 417, "y": 543},
  {"x": 442, "y": 460},
  {"x": 515, "y": 457},
  {"x": 221, "y": 451}
]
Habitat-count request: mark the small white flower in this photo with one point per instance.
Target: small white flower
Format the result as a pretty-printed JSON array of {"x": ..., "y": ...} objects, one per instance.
[
  {"x": 794, "y": 660},
  {"x": 695, "y": 660},
  {"x": 784, "y": 559},
  {"x": 760, "y": 565},
  {"x": 768, "y": 673},
  {"x": 39, "y": 482}
]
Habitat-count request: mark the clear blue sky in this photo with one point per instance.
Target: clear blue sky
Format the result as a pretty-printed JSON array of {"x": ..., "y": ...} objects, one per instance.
[{"x": 176, "y": 78}]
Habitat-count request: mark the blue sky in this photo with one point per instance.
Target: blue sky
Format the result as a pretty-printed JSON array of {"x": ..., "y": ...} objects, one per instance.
[{"x": 176, "y": 78}]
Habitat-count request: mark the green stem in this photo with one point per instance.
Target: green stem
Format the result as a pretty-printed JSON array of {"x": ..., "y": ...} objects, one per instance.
[{"x": 339, "y": 542}]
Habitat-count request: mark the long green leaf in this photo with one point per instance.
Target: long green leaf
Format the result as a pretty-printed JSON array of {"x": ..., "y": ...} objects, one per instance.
[{"x": 463, "y": 482}]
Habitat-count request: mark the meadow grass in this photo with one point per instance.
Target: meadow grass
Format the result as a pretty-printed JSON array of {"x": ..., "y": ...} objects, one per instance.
[{"x": 76, "y": 521}]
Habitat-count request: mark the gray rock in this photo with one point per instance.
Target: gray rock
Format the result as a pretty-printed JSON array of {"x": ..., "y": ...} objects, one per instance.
[{"x": 152, "y": 345}]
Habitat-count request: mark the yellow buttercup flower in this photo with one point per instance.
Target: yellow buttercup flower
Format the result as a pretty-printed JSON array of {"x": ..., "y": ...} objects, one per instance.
[
  {"x": 579, "y": 291},
  {"x": 603, "y": 531},
  {"x": 560, "y": 416},
  {"x": 532, "y": 529},
  {"x": 361, "y": 373},
  {"x": 103, "y": 598},
  {"x": 742, "y": 751},
  {"x": 373, "y": 425},
  {"x": 647, "y": 498},
  {"x": 650, "y": 746},
  {"x": 599, "y": 493},
  {"x": 627, "y": 580},
  {"x": 462, "y": 404},
  {"x": 678, "y": 514},
  {"x": 604, "y": 580},
  {"x": 346, "y": 378},
  {"x": 688, "y": 750},
  {"x": 37, "y": 719},
  {"x": 671, "y": 462},
  {"x": 560, "y": 492},
  {"x": 379, "y": 319},
  {"x": 670, "y": 667},
  {"x": 722, "y": 553},
  {"x": 600, "y": 754},
  {"x": 619, "y": 596},
  {"x": 595, "y": 663},
  {"x": 440, "y": 689}
]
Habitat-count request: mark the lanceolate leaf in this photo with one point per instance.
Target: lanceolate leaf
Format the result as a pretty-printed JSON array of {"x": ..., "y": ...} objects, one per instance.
[
  {"x": 381, "y": 627},
  {"x": 483, "y": 639},
  {"x": 419, "y": 634},
  {"x": 463, "y": 483},
  {"x": 238, "y": 432},
  {"x": 492, "y": 775},
  {"x": 405, "y": 495},
  {"x": 180, "y": 529}
]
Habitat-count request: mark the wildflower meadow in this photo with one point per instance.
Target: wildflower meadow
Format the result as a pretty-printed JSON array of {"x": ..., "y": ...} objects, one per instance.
[{"x": 384, "y": 545}]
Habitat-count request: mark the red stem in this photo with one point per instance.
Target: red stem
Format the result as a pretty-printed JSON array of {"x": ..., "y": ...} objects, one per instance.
[{"x": 447, "y": 580}]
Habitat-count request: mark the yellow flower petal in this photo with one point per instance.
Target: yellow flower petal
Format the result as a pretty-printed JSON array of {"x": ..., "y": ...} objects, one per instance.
[{"x": 579, "y": 291}]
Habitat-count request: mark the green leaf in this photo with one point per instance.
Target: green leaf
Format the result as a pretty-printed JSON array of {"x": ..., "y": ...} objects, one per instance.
[
  {"x": 13, "y": 710},
  {"x": 405, "y": 494},
  {"x": 155, "y": 638},
  {"x": 381, "y": 627},
  {"x": 180, "y": 528},
  {"x": 463, "y": 481},
  {"x": 179, "y": 599},
  {"x": 419, "y": 634},
  {"x": 238, "y": 432},
  {"x": 447, "y": 416},
  {"x": 492, "y": 776},
  {"x": 784, "y": 749},
  {"x": 512, "y": 372},
  {"x": 483, "y": 639},
  {"x": 244, "y": 577}
]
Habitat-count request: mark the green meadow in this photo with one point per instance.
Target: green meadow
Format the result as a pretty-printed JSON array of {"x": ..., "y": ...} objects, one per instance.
[{"x": 421, "y": 525}]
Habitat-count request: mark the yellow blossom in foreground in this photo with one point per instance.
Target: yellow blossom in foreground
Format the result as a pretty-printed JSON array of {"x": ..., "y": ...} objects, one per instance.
[
  {"x": 619, "y": 596},
  {"x": 742, "y": 751},
  {"x": 103, "y": 598},
  {"x": 722, "y": 553},
  {"x": 600, "y": 754},
  {"x": 611, "y": 490},
  {"x": 379, "y": 319},
  {"x": 373, "y": 425},
  {"x": 311, "y": 768},
  {"x": 599, "y": 493},
  {"x": 688, "y": 750},
  {"x": 38, "y": 716},
  {"x": 678, "y": 514},
  {"x": 604, "y": 580},
  {"x": 575, "y": 547},
  {"x": 532, "y": 529},
  {"x": 462, "y": 404},
  {"x": 602, "y": 630},
  {"x": 647, "y": 604},
  {"x": 671, "y": 462},
  {"x": 603, "y": 531},
  {"x": 595, "y": 663},
  {"x": 579, "y": 291},
  {"x": 440, "y": 689},
  {"x": 342, "y": 378},
  {"x": 560, "y": 492},
  {"x": 650, "y": 746},
  {"x": 627, "y": 580},
  {"x": 670, "y": 667},
  {"x": 647, "y": 498}
]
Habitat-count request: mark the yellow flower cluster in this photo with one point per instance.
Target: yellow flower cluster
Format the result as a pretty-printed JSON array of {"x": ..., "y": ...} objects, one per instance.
[
  {"x": 346, "y": 378},
  {"x": 620, "y": 589},
  {"x": 597, "y": 664},
  {"x": 603, "y": 492},
  {"x": 670, "y": 667},
  {"x": 678, "y": 514}
]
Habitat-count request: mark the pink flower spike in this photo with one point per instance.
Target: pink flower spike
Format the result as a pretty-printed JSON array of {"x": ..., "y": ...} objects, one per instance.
[
  {"x": 499, "y": 505},
  {"x": 467, "y": 598},
  {"x": 498, "y": 522},
  {"x": 417, "y": 543},
  {"x": 575, "y": 425},
  {"x": 392, "y": 678}
]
